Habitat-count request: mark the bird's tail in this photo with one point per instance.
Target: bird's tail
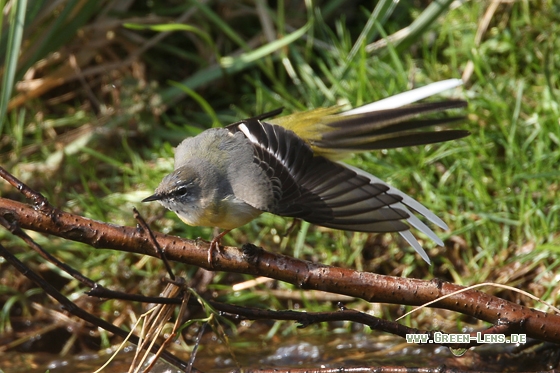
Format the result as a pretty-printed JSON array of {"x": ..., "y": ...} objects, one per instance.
[{"x": 390, "y": 123}]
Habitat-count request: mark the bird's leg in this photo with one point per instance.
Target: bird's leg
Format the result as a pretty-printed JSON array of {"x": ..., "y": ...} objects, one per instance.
[{"x": 215, "y": 244}]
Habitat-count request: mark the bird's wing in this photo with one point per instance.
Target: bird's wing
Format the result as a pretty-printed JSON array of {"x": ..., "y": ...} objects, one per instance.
[{"x": 318, "y": 190}]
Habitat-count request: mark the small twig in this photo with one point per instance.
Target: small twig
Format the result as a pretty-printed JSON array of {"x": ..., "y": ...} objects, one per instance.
[
  {"x": 38, "y": 199},
  {"x": 102, "y": 292},
  {"x": 145, "y": 227},
  {"x": 491, "y": 284},
  {"x": 195, "y": 348},
  {"x": 95, "y": 104},
  {"x": 16, "y": 230},
  {"x": 308, "y": 318}
]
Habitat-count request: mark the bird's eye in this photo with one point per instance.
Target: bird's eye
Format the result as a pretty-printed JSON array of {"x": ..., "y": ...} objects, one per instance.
[{"x": 181, "y": 191}]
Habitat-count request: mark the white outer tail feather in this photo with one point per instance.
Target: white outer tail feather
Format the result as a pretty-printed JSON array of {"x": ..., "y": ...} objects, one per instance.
[
  {"x": 406, "y": 204},
  {"x": 407, "y": 98}
]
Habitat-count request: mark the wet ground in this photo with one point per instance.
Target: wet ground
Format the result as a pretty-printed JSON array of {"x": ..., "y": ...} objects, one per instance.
[{"x": 339, "y": 350}]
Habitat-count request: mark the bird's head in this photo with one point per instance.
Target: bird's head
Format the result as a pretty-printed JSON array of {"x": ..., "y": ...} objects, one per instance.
[{"x": 179, "y": 191}]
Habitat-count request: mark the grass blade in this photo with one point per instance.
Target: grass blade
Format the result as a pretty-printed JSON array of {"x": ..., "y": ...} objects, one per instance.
[{"x": 17, "y": 22}]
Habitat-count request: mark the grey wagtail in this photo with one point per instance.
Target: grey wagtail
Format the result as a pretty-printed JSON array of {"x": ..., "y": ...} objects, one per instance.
[{"x": 288, "y": 166}]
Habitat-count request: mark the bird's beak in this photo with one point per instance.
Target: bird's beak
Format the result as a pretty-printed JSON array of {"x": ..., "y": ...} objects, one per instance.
[{"x": 153, "y": 197}]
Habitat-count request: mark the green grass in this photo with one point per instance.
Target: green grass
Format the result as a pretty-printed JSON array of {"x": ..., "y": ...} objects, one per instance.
[{"x": 497, "y": 189}]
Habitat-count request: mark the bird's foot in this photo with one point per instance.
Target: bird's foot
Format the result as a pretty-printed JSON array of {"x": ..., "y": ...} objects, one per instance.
[{"x": 215, "y": 246}]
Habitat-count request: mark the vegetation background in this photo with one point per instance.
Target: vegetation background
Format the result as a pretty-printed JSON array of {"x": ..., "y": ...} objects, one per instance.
[{"x": 96, "y": 94}]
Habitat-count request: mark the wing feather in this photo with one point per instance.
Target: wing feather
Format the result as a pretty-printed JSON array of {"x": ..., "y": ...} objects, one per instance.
[{"x": 318, "y": 190}]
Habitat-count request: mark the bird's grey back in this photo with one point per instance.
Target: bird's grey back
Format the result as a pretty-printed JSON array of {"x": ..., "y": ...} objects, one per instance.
[{"x": 231, "y": 156}]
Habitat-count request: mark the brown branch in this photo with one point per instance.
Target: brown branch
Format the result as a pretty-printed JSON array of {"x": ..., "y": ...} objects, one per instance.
[
  {"x": 308, "y": 318},
  {"x": 368, "y": 286}
]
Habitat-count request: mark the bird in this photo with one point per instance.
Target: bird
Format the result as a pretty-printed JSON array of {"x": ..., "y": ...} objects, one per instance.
[{"x": 292, "y": 166}]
